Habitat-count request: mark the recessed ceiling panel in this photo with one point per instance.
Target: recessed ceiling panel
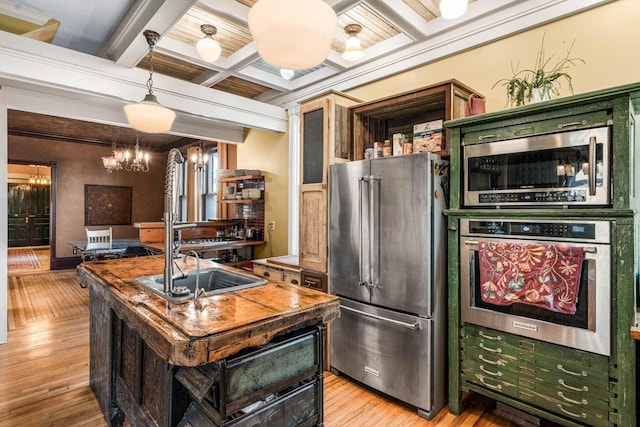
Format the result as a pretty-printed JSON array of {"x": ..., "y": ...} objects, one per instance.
[
  {"x": 172, "y": 67},
  {"x": 427, "y": 9},
  {"x": 231, "y": 35},
  {"x": 238, "y": 86},
  {"x": 375, "y": 28}
]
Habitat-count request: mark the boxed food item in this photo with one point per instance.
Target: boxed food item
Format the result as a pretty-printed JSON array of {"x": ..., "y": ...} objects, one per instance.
[
  {"x": 428, "y": 136},
  {"x": 397, "y": 143}
]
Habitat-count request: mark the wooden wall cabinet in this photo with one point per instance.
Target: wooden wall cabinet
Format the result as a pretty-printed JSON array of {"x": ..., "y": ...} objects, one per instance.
[
  {"x": 325, "y": 135},
  {"x": 379, "y": 120}
]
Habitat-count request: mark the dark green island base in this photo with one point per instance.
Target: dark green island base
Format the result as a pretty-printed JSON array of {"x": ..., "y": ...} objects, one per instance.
[{"x": 250, "y": 357}]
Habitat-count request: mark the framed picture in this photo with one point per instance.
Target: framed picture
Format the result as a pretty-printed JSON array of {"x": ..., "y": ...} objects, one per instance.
[{"x": 107, "y": 205}]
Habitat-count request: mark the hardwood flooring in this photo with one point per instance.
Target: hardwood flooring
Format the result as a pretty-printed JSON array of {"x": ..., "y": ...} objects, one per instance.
[{"x": 44, "y": 369}]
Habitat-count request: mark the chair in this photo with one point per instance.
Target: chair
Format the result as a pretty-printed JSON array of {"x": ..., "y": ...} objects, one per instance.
[{"x": 99, "y": 245}]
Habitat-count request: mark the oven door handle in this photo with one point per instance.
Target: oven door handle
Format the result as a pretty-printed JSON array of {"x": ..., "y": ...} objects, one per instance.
[{"x": 590, "y": 249}]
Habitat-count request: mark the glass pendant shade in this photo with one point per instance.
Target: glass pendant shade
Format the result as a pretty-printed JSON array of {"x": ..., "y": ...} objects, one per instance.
[
  {"x": 452, "y": 9},
  {"x": 149, "y": 116},
  {"x": 286, "y": 74},
  {"x": 293, "y": 34},
  {"x": 208, "y": 48},
  {"x": 352, "y": 51}
]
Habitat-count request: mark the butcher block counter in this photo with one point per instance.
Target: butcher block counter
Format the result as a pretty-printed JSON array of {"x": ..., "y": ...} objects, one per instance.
[{"x": 158, "y": 363}]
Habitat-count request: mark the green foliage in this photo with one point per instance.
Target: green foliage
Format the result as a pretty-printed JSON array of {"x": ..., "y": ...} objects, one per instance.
[{"x": 542, "y": 76}]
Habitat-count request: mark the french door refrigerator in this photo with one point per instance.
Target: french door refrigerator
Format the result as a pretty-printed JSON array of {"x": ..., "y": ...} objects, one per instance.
[{"x": 388, "y": 266}]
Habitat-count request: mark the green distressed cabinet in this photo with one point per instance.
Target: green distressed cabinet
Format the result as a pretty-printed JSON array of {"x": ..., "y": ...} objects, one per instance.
[{"x": 568, "y": 386}]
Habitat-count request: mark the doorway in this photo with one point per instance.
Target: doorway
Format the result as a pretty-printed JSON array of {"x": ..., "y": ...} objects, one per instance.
[{"x": 29, "y": 215}]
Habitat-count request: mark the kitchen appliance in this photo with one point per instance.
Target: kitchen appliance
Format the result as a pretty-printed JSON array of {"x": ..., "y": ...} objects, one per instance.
[
  {"x": 557, "y": 169},
  {"x": 589, "y": 328},
  {"x": 387, "y": 264}
]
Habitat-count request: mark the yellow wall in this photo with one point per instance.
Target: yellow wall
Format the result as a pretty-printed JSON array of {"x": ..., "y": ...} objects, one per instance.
[
  {"x": 607, "y": 38},
  {"x": 269, "y": 152}
]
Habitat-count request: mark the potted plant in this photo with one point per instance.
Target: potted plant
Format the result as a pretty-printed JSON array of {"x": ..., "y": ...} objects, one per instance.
[{"x": 538, "y": 83}]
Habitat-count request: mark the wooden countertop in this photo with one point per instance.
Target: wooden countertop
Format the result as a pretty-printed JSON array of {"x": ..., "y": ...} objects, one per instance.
[
  {"x": 290, "y": 262},
  {"x": 228, "y": 323}
]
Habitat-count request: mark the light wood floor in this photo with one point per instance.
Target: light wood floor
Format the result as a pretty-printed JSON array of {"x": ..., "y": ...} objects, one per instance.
[{"x": 44, "y": 369}]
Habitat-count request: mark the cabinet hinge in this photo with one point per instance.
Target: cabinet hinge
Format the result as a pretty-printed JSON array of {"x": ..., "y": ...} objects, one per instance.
[{"x": 614, "y": 418}]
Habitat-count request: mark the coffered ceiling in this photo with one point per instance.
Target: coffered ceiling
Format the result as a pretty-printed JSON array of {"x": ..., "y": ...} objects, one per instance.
[
  {"x": 396, "y": 35},
  {"x": 112, "y": 29}
]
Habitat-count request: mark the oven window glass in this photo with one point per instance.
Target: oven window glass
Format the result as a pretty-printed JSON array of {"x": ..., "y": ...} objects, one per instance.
[
  {"x": 564, "y": 167},
  {"x": 578, "y": 320}
]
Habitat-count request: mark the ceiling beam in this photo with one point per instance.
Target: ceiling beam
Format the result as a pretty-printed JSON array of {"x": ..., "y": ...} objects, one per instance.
[{"x": 99, "y": 80}]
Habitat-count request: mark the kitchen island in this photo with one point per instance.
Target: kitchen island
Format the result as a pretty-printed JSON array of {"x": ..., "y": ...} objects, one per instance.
[{"x": 249, "y": 355}]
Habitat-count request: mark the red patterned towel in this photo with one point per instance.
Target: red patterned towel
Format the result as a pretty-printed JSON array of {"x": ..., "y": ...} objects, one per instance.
[{"x": 547, "y": 276}]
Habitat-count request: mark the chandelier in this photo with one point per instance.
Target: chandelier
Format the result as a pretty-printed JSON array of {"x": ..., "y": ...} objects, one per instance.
[
  {"x": 119, "y": 159},
  {"x": 38, "y": 179},
  {"x": 148, "y": 115},
  {"x": 198, "y": 157}
]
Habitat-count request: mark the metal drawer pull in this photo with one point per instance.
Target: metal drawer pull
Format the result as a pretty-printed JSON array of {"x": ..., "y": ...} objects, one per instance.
[
  {"x": 495, "y": 387},
  {"x": 265, "y": 274},
  {"x": 583, "y": 388},
  {"x": 577, "y": 374},
  {"x": 489, "y": 337},
  {"x": 580, "y": 415},
  {"x": 412, "y": 326},
  {"x": 564, "y": 125},
  {"x": 481, "y": 357},
  {"x": 492, "y": 350},
  {"x": 294, "y": 282},
  {"x": 482, "y": 137},
  {"x": 575, "y": 402},
  {"x": 495, "y": 374}
]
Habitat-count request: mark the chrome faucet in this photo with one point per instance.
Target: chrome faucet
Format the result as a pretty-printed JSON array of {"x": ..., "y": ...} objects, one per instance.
[{"x": 170, "y": 226}]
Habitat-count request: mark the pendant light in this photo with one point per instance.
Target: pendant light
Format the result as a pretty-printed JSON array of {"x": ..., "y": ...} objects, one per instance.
[
  {"x": 352, "y": 50},
  {"x": 148, "y": 115},
  {"x": 208, "y": 48},
  {"x": 293, "y": 34},
  {"x": 452, "y": 9},
  {"x": 286, "y": 74}
]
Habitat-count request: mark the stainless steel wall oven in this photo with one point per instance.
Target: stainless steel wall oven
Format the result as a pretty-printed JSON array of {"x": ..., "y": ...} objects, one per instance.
[
  {"x": 589, "y": 328},
  {"x": 570, "y": 168}
]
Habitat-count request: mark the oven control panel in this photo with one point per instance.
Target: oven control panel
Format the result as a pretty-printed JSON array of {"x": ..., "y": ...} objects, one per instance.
[
  {"x": 575, "y": 230},
  {"x": 564, "y": 196}
]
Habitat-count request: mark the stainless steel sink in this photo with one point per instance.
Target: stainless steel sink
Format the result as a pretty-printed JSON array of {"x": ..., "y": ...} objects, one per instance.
[{"x": 212, "y": 280}]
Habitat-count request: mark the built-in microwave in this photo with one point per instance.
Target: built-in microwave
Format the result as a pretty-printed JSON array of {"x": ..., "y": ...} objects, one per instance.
[{"x": 561, "y": 169}]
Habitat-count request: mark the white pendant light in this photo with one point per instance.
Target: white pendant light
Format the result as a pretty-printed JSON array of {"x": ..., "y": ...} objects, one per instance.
[
  {"x": 148, "y": 115},
  {"x": 286, "y": 74},
  {"x": 293, "y": 34},
  {"x": 352, "y": 50},
  {"x": 208, "y": 48},
  {"x": 452, "y": 9}
]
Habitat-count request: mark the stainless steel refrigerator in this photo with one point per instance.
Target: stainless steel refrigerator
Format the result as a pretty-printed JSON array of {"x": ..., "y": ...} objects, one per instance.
[{"x": 388, "y": 266}]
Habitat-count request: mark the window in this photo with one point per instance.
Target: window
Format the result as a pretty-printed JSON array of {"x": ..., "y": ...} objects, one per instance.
[{"x": 209, "y": 188}]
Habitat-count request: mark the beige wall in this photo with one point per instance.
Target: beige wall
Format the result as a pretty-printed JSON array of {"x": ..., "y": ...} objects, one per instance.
[
  {"x": 607, "y": 38},
  {"x": 80, "y": 164},
  {"x": 269, "y": 152}
]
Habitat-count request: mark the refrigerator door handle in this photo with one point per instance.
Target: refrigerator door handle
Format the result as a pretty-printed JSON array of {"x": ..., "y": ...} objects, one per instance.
[
  {"x": 412, "y": 326},
  {"x": 361, "y": 281},
  {"x": 374, "y": 212}
]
